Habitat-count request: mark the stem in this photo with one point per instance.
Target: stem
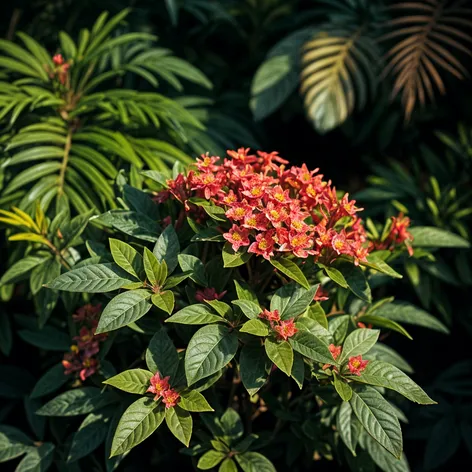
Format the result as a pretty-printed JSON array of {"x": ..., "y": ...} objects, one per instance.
[
  {"x": 65, "y": 161},
  {"x": 15, "y": 18}
]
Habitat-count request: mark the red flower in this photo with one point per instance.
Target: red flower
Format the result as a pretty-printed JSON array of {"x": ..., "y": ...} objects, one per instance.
[
  {"x": 87, "y": 313},
  {"x": 238, "y": 237},
  {"x": 255, "y": 221},
  {"x": 356, "y": 365},
  {"x": 58, "y": 59},
  {"x": 270, "y": 315},
  {"x": 335, "y": 350},
  {"x": 340, "y": 244},
  {"x": 264, "y": 245},
  {"x": 286, "y": 329},
  {"x": 170, "y": 398},
  {"x": 321, "y": 294},
  {"x": 208, "y": 294},
  {"x": 158, "y": 385}
]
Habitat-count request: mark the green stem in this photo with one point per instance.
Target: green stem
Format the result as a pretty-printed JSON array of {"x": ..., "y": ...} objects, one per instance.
[{"x": 65, "y": 161}]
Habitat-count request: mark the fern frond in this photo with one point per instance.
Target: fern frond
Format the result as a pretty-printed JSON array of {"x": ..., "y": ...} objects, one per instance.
[
  {"x": 428, "y": 37},
  {"x": 337, "y": 75}
]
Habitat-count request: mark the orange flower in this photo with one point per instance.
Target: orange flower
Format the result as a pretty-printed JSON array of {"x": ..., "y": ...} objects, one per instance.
[
  {"x": 170, "y": 398},
  {"x": 286, "y": 329},
  {"x": 158, "y": 385},
  {"x": 356, "y": 365},
  {"x": 270, "y": 315},
  {"x": 335, "y": 350}
]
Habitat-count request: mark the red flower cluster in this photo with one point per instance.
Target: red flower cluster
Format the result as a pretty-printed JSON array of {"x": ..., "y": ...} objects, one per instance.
[
  {"x": 397, "y": 236},
  {"x": 208, "y": 294},
  {"x": 356, "y": 365},
  {"x": 284, "y": 329},
  {"x": 61, "y": 71},
  {"x": 274, "y": 209},
  {"x": 160, "y": 387},
  {"x": 82, "y": 358}
]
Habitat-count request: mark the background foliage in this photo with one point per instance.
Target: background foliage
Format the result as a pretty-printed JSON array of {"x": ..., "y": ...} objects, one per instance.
[{"x": 378, "y": 97}]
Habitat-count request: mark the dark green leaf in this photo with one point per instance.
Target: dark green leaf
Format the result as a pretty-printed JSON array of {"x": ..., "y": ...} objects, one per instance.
[
  {"x": 124, "y": 309},
  {"x": 94, "y": 278},
  {"x": 358, "y": 342},
  {"x": 51, "y": 381},
  {"x": 309, "y": 345},
  {"x": 281, "y": 354},
  {"x": 209, "y": 350},
  {"x": 138, "y": 422},
  {"x": 161, "y": 355},
  {"x": 254, "y": 368},
  {"x": 180, "y": 424},
  {"x": 131, "y": 381},
  {"x": 167, "y": 248},
  {"x": 195, "y": 315},
  {"x": 291, "y": 270},
  {"x": 80, "y": 401}
]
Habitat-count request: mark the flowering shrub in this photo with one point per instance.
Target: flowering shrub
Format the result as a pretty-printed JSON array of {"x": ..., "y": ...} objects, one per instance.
[{"x": 247, "y": 312}]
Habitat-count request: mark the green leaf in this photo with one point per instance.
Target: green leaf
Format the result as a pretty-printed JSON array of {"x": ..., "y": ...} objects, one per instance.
[
  {"x": 379, "y": 265},
  {"x": 131, "y": 381},
  {"x": 80, "y": 401},
  {"x": 48, "y": 338},
  {"x": 209, "y": 350},
  {"x": 38, "y": 459},
  {"x": 228, "y": 465},
  {"x": 175, "y": 280},
  {"x": 91, "y": 433},
  {"x": 244, "y": 292},
  {"x": 167, "y": 248},
  {"x": 123, "y": 310},
  {"x": 317, "y": 314},
  {"x": 180, "y": 424},
  {"x": 195, "y": 315},
  {"x": 156, "y": 272},
  {"x": 51, "y": 381},
  {"x": 194, "y": 401},
  {"x": 384, "y": 323},
  {"x": 358, "y": 342},
  {"x": 291, "y": 270},
  {"x": 298, "y": 370},
  {"x": 231, "y": 425},
  {"x": 254, "y": 462},
  {"x": 138, "y": 422},
  {"x": 281, "y": 354},
  {"x": 195, "y": 266},
  {"x": 336, "y": 276},
  {"x": 405, "y": 312},
  {"x": 378, "y": 418},
  {"x": 255, "y": 327},
  {"x": 430, "y": 236},
  {"x": 254, "y": 368},
  {"x": 232, "y": 258},
  {"x": 21, "y": 270},
  {"x": 291, "y": 300},
  {"x": 131, "y": 223},
  {"x": 382, "y": 352},
  {"x": 126, "y": 257},
  {"x": 342, "y": 387},
  {"x": 270, "y": 72},
  {"x": 250, "y": 309},
  {"x": 443, "y": 442},
  {"x": 383, "y": 459},
  {"x": 348, "y": 426},
  {"x": 222, "y": 308},
  {"x": 13, "y": 443},
  {"x": 165, "y": 301},
  {"x": 382, "y": 374},
  {"x": 357, "y": 282},
  {"x": 311, "y": 346},
  {"x": 210, "y": 459},
  {"x": 161, "y": 355},
  {"x": 43, "y": 273},
  {"x": 93, "y": 278}
]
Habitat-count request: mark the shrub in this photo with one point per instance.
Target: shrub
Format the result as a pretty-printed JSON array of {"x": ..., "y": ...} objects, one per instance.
[{"x": 246, "y": 309}]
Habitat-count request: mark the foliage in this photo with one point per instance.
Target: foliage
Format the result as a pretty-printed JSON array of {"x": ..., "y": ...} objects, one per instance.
[
  {"x": 340, "y": 60},
  {"x": 188, "y": 323}
]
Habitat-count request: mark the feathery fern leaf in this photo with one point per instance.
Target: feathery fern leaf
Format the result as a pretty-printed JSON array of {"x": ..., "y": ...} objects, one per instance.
[
  {"x": 428, "y": 37},
  {"x": 337, "y": 75}
]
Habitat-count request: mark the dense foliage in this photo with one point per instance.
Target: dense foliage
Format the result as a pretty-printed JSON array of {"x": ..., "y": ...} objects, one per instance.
[{"x": 98, "y": 130}]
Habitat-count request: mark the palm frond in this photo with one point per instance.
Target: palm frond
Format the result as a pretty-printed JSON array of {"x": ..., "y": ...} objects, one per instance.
[
  {"x": 337, "y": 75},
  {"x": 429, "y": 35}
]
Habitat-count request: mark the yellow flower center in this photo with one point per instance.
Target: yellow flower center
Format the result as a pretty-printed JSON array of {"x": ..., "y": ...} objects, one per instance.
[
  {"x": 236, "y": 237},
  {"x": 263, "y": 244},
  {"x": 239, "y": 212}
]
